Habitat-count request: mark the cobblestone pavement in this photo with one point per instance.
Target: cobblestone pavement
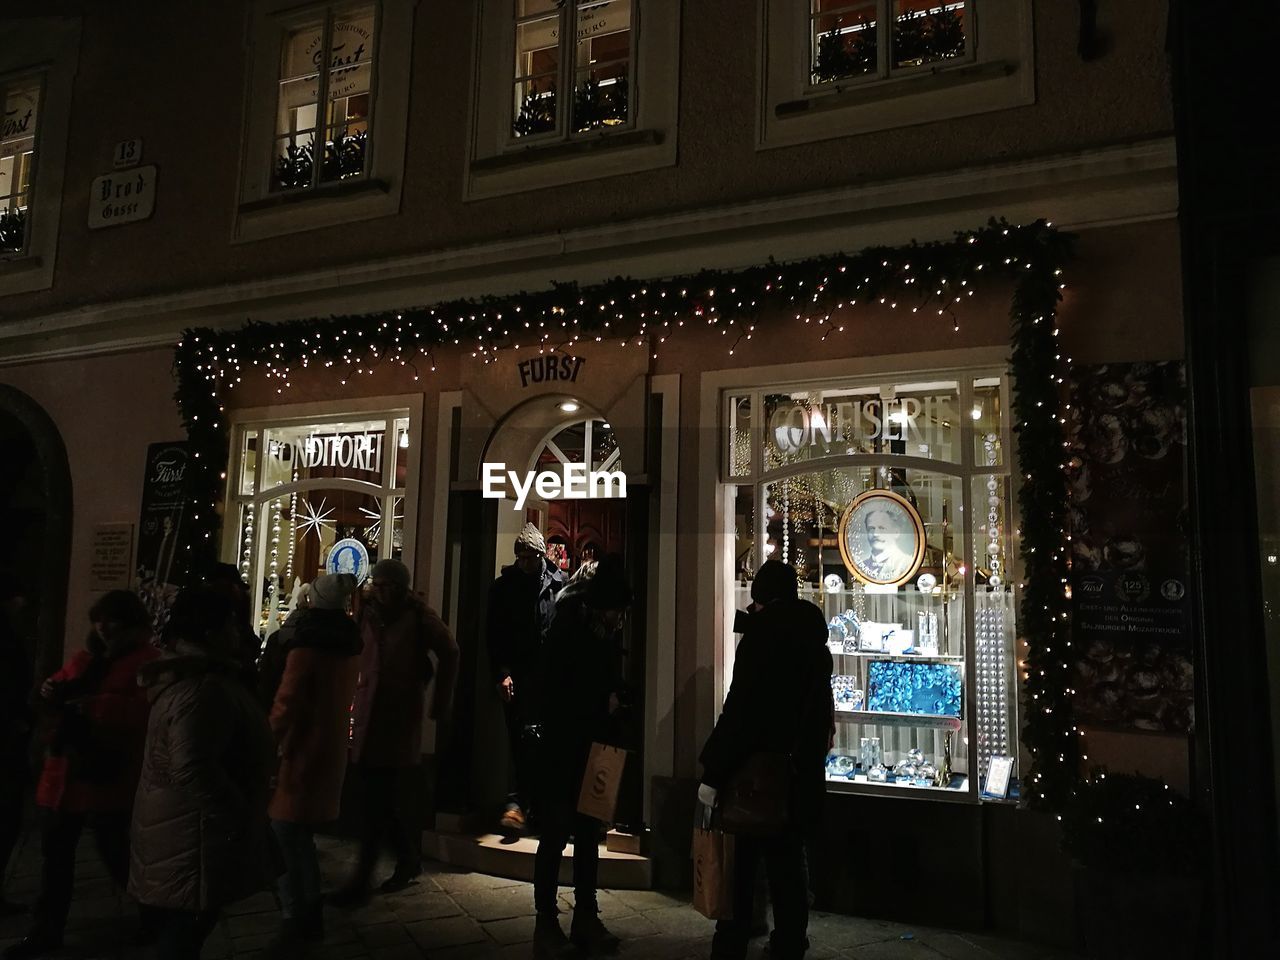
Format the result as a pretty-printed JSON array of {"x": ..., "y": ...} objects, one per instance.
[{"x": 455, "y": 914}]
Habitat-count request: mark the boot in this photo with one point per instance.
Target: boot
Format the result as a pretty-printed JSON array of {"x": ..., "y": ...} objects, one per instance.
[
  {"x": 288, "y": 943},
  {"x": 549, "y": 941},
  {"x": 312, "y": 921},
  {"x": 589, "y": 934}
]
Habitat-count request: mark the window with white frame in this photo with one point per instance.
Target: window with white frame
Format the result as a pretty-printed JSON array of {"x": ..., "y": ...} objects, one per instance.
[
  {"x": 324, "y": 99},
  {"x": 834, "y": 68},
  {"x": 316, "y": 496},
  {"x": 567, "y": 91},
  {"x": 17, "y": 161},
  {"x": 582, "y": 47},
  {"x": 326, "y": 114},
  {"x": 851, "y": 39}
]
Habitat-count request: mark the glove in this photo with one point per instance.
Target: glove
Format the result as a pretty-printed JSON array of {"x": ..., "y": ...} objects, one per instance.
[{"x": 707, "y": 795}]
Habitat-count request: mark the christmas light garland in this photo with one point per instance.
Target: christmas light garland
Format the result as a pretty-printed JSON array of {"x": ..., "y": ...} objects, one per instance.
[{"x": 933, "y": 279}]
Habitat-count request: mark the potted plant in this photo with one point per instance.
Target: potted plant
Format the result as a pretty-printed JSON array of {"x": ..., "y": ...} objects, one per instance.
[{"x": 1138, "y": 890}]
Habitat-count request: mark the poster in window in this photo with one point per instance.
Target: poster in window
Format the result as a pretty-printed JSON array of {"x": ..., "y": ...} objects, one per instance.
[
  {"x": 1129, "y": 547},
  {"x": 161, "y": 552}
]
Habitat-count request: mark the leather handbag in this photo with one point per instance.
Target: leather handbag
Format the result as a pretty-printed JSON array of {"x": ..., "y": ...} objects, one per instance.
[{"x": 757, "y": 799}]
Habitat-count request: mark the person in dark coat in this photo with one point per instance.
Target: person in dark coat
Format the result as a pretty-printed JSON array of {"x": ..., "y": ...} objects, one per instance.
[
  {"x": 99, "y": 718},
  {"x": 15, "y": 728},
  {"x": 398, "y": 631},
  {"x": 200, "y": 832},
  {"x": 779, "y": 701},
  {"x": 311, "y": 718},
  {"x": 522, "y": 604},
  {"x": 582, "y": 689}
]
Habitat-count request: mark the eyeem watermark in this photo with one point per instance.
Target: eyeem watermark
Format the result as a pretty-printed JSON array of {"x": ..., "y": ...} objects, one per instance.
[{"x": 573, "y": 482}]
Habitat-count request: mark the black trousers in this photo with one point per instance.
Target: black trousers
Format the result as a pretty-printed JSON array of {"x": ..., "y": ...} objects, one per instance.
[
  {"x": 560, "y": 773},
  {"x": 784, "y": 863},
  {"x": 60, "y": 834},
  {"x": 385, "y": 817},
  {"x": 179, "y": 934},
  {"x": 560, "y": 821},
  {"x": 522, "y": 739}
]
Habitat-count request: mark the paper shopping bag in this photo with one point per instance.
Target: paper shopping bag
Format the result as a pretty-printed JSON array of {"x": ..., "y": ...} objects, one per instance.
[
  {"x": 713, "y": 873},
  {"x": 599, "y": 793}
]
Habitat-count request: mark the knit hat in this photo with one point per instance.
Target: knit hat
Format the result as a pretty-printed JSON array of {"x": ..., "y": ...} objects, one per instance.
[
  {"x": 608, "y": 588},
  {"x": 392, "y": 571},
  {"x": 531, "y": 537},
  {"x": 330, "y": 591},
  {"x": 774, "y": 580}
]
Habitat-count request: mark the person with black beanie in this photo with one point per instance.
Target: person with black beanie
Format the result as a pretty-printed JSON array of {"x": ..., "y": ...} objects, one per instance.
[
  {"x": 779, "y": 702},
  {"x": 582, "y": 689}
]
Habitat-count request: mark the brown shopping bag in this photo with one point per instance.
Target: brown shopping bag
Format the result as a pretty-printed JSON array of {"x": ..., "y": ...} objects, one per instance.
[
  {"x": 713, "y": 873},
  {"x": 599, "y": 793}
]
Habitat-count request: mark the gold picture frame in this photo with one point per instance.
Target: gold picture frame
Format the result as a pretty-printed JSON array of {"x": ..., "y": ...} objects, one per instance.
[{"x": 876, "y": 554}]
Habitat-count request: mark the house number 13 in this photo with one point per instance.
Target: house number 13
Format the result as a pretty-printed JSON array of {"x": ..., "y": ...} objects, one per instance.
[{"x": 128, "y": 153}]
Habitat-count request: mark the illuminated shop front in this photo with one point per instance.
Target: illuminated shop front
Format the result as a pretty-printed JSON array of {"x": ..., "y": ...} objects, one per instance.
[
  {"x": 892, "y": 499},
  {"x": 316, "y": 494}
]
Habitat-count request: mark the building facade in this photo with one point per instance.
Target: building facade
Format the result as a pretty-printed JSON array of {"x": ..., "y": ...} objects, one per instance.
[{"x": 265, "y": 163}]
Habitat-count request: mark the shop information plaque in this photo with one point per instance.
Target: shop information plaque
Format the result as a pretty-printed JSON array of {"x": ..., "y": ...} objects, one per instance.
[{"x": 112, "y": 556}]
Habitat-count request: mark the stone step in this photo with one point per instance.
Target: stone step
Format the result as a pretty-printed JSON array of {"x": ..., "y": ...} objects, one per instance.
[{"x": 513, "y": 858}]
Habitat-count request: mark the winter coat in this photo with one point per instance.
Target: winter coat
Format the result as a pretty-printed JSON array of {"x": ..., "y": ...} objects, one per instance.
[
  {"x": 311, "y": 716},
  {"x": 521, "y": 609},
  {"x": 394, "y": 671},
  {"x": 96, "y": 747},
  {"x": 779, "y": 701},
  {"x": 581, "y": 669},
  {"x": 199, "y": 822}
]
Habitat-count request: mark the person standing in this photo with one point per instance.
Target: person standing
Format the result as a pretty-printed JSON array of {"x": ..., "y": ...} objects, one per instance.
[
  {"x": 779, "y": 701},
  {"x": 398, "y": 631},
  {"x": 93, "y": 757},
  {"x": 310, "y": 719},
  {"x": 583, "y": 689},
  {"x": 522, "y": 604},
  {"x": 15, "y": 728},
  {"x": 200, "y": 821}
]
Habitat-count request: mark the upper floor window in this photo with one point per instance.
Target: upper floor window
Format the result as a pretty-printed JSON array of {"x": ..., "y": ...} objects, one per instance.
[
  {"x": 847, "y": 39},
  {"x": 17, "y": 162},
  {"x": 324, "y": 102},
  {"x": 580, "y": 46}
]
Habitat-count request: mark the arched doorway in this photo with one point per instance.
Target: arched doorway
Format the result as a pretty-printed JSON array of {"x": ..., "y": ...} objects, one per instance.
[{"x": 35, "y": 506}]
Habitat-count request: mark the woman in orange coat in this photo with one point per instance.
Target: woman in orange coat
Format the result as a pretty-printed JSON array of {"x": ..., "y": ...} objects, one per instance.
[
  {"x": 311, "y": 718},
  {"x": 94, "y": 758}
]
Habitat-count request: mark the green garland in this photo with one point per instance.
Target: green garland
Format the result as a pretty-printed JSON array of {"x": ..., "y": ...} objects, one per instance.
[{"x": 915, "y": 278}]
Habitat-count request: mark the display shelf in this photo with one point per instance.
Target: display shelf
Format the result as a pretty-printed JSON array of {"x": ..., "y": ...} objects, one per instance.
[
  {"x": 959, "y": 784},
  {"x": 919, "y": 720},
  {"x": 922, "y": 658}
]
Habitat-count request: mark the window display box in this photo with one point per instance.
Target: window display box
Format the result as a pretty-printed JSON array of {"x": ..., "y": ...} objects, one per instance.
[{"x": 894, "y": 501}]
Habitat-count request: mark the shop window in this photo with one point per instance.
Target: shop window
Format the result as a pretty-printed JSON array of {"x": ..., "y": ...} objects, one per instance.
[
  {"x": 893, "y": 502},
  {"x": 326, "y": 114},
  {"x": 845, "y": 37},
  {"x": 878, "y": 64},
  {"x": 312, "y": 498},
  {"x": 17, "y": 162},
  {"x": 591, "y": 60},
  {"x": 323, "y": 105},
  {"x": 571, "y": 90}
]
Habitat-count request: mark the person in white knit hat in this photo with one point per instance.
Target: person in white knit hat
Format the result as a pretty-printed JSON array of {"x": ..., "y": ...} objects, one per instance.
[{"x": 522, "y": 604}]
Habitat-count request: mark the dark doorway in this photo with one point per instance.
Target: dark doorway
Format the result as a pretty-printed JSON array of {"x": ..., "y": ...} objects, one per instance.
[{"x": 35, "y": 507}]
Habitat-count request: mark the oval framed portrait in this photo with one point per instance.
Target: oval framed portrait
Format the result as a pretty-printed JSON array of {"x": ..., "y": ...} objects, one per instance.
[{"x": 882, "y": 538}]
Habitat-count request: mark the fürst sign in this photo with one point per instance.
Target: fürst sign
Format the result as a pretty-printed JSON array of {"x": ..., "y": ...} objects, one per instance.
[{"x": 126, "y": 196}]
